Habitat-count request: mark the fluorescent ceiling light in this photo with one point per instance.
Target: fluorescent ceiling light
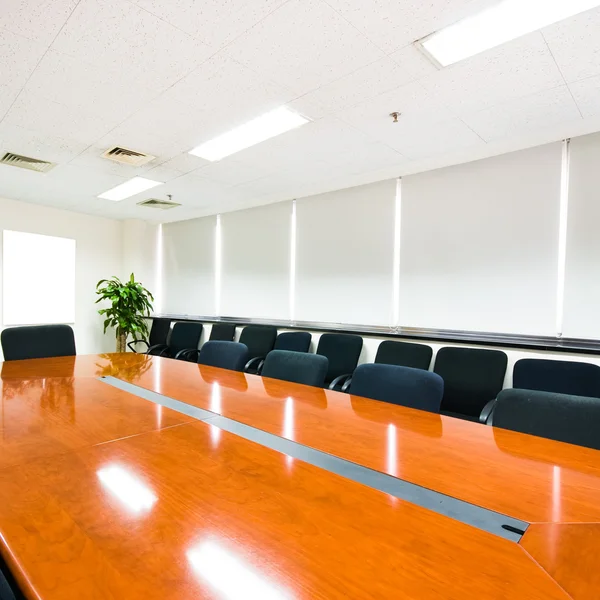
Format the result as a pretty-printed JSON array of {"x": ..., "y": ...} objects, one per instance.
[
  {"x": 129, "y": 188},
  {"x": 503, "y": 21},
  {"x": 254, "y": 132}
]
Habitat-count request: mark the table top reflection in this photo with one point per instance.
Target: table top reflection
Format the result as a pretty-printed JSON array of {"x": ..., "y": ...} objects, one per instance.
[{"x": 106, "y": 495}]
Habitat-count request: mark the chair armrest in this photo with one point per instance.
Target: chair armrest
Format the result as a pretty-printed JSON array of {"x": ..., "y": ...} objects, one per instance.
[
  {"x": 256, "y": 359},
  {"x": 339, "y": 381},
  {"x": 347, "y": 384},
  {"x": 487, "y": 412},
  {"x": 261, "y": 364},
  {"x": 182, "y": 354},
  {"x": 131, "y": 344},
  {"x": 162, "y": 347}
]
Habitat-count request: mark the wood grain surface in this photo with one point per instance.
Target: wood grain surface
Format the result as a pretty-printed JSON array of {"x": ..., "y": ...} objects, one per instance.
[{"x": 526, "y": 477}]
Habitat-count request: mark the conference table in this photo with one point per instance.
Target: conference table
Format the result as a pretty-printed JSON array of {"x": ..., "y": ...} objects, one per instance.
[{"x": 129, "y": 476}]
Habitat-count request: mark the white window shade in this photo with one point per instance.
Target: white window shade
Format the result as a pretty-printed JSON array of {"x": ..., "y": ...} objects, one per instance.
[
  {"x": 256, "y": 262},
  {"x": 582, "y": 273},
  {"x": 479, "y": 244},
  {"x": 188, "y": 267},
  {"x": 38, "y": 279},
  {"x": 345, "y": 250}
]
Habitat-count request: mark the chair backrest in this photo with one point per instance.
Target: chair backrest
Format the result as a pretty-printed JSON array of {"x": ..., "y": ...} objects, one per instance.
[
  {"x": 297, "y": 367},
  {"x": 558, "y": 376},
  {"x": 225, "y": 355},
  {"x": 37, "y": 341},
  {"x": 159, "y": 331},
  {"x": 222, "y": 332},
  {"x": 296, "y": 341},
  {"x": 185, "y": 335},
  {"x": 415, "y": 388},
  {"x": 260, "y": 339},
  {"x": 472, "y": 377},
  {"x": 404, "y": 354},
  {"x": 561, "y": 417},
  {"x": 342, "y": 351}
]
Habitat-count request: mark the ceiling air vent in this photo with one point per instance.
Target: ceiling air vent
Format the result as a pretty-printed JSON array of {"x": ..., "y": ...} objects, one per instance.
[
  {"x": 25, "y": 162},
  {"x": 160, "y": 204},
  {"x": 126, "y": 156}
]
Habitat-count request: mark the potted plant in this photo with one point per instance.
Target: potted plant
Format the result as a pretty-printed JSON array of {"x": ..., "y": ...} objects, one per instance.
[{"x": 131, "y": 304}]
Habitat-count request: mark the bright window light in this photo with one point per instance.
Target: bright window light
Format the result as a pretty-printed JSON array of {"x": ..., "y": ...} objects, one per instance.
[
  {"x": 231, "y": 577},
  {"x": 129, "y": 188},
  {"x": 254, "y": 132},
  {"x": 38, "y": 275},
  {"x": 127, "y": 488},
  {"x": 500, "y": 23}
]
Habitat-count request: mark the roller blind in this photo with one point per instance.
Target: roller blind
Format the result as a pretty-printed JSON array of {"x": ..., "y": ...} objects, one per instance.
[
  {"x": 345, "y": 247},
  {"x": 582, "y": 272},
  {"x": 256, "y": 262},
  {"x": 479, "y": 244},
  {"x": 188, "y": 267}
]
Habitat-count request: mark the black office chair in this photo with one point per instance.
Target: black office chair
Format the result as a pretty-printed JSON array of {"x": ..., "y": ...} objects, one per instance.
[
  {"x": 414, "y": 388},
  {"x": 472, "y": 379},
  {"x": 260, "y": 340},
  {"x": 558, "y": 376},
  {"x": 297, "y": 367},
  {"x": 296, "y": 341},
  {"x": 37, "y": 341},
  {"x": 225, "y": 355},
  {"x": 562, "y": 417},
  {"x": 224, "y": 332},
  {"x": 159, "y": 334},
  {"x": 183, "y": 342},
  {"x": 404, "y": 354},
  {"x": 343, "y": 352}
]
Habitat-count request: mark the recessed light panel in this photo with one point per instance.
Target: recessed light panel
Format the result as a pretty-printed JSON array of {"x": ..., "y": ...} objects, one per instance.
[
  {"x": 500, "y": 23},
  {"x": 129, "y": 188},
  {"x": 258, "y": 130}
]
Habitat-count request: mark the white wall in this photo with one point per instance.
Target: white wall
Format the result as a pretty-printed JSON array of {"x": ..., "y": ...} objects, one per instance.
[{"x": 98, "y": 256}]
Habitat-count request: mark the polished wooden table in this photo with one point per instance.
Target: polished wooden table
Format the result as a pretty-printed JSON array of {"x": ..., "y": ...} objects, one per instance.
[{"x": 105, "y": 494}]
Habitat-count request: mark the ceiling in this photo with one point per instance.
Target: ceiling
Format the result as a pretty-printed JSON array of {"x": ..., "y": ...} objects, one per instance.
[{"x": 162, "y": 76}]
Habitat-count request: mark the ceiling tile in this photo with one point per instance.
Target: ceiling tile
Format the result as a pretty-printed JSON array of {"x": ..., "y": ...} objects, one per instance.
[
  {"x": 522, "y": 67},
  {"x": 392, "y": 24},
  {"x": 87, "y": 182},
  {"x": 304, "y": 45},
  {"x": 38, "y": 20},
  {"x": 575, "y": 44},
  {"x": 233, "y": 172},
  {"x": 162, "y": 173},
  {"x": 28, "y": 143},
  {"x": 430, "y": 138},
  {"x": 370, "y": 81},
  {"x": 8, "y": 94},
  {"x": 49, "y": 118},
  {"x": 19, "y": 58},
  {"x": 413, "y": 62},
  {"x": 587, "y": 95},
  {"x": 416, "y": 105},
  {"x": 90, "y": 89},
  {"x": 524, "y": 115},
  {"x": 213, "y": 21},
  {"x": 121, "y": 36},
  {"x": 185, "y": 162}
]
